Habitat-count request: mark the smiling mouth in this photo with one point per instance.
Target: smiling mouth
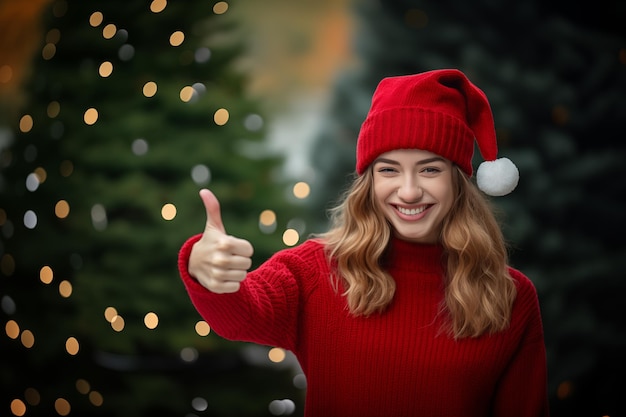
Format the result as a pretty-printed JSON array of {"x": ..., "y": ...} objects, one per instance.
[{"x": 412, "y": 211}]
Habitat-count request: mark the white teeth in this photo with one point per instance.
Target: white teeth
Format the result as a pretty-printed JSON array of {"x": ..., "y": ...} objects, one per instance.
[{"x": 411, "y": 212}]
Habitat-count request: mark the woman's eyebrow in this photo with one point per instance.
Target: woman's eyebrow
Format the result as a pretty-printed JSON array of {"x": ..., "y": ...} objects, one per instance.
[
  {"x": 386, "y": 161},
  {"x": 431, "y": 160},
  {"x": 422, "y": 162}
]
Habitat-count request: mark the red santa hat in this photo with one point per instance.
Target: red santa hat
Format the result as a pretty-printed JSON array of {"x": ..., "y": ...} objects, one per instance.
[{"x": 442, "y": 112}]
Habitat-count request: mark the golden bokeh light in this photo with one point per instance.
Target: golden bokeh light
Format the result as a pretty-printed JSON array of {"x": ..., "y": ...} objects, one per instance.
[
  {"x": 157, "y": 6},
  {"x": 12, "y": 329},
  {"x": 267, "y": 217},
  {"x": 26, "y": 123},
  {"x": 221, "y": 117},
  {"x": 110, "y": 313},
  {"x": 65, "y": 289},
  {"x": 62, "y": 406},
  {"x": 48, "y": 51},
  {"x": 168, "y": 211},
  {"x": 46, "y": 274},
  {"x": 177, "y": 38},
  {"x": 91, "y": 116},
  {"x": 109, "y": 31},
  {"x": 96, "y": 398},
  {"x": 186, "y": 93},
  {"x": 62, "y": 209},
  {"x": 151, "y": 320},
  {"x": 291, "y": 237},
  {"x": 41, "y": 174},
  {"x": 276, "y": 355},
  {"x": 149, "y": 89},
  {"x": 18, "y": 408},
  {"x": 106, "y": 69},
  {"x": 28, "y": 339},
  {"x": 72, "y": 346},
  {"x": 83, "y": 386},
  {"x": 220, "y": 7},
  {"x": 301, "y": 190},
  {"x": 203, "y": 328},
  {"x": 96, "y": 19},
  {"x": 53, "y": 36},
  {"x": 117, "y": 323},
  {"x": 54, "y": 108}
]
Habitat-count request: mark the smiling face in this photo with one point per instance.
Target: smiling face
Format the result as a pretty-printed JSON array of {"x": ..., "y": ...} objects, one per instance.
[{"x": 414, "y": 191}]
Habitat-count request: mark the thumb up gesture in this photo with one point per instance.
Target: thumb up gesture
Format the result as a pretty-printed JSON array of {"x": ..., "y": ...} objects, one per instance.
[{"x": 218, "y": 261}]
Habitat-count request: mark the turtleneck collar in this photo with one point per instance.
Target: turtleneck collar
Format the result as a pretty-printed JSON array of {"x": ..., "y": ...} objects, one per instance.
[{"x": 417, "y": 257}]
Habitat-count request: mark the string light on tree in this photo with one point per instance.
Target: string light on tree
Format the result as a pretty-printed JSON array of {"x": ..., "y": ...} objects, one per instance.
[
  {"x": 301, "y": 190},
  {"x": 221, "y": 117},
  {"x": 12, "y": 329},
  {"x": 202, "y": 328},
  {"x": 291, "y": 237},
  {"x": 106, "y": 69},
  {"x": 177, "y": 38},
  {"x": 96, "y": 19},
  {"x": 276, "y": 355},
  {"x": 168, "y": 212},
  {"x": 65, "y": 288},
  {"x": 150, "y": 89},
  {"x": 151, "y": 320},
  {"x": 157, "y": 6},
  {"x": 109, "y": 31},
  {"x": 53, "y": 110},
  {"x": 72, "y": 346},
  {"x": 26, "y": 123},
  {"x": 187, "y": 93},
  {"x": 267, "y": 221},
  {"x": 91, "y": 116},
  {"x": 62, "y": 209}
]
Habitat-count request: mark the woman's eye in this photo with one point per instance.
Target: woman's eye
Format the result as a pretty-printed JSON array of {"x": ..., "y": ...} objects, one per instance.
[
  {"x": 386, "y": 169},
  {"x": 431, "y": 170}
]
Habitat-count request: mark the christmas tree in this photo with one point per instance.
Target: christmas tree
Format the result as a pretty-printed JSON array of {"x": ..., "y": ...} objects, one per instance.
[{"x": 132, "y": 108}]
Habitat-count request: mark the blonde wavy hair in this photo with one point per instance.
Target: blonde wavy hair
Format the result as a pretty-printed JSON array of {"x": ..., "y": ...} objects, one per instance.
[{"x": 479, "y": 292}]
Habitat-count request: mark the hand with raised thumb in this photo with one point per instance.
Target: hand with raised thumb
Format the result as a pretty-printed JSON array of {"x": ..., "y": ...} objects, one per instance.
[{"x": 218, "y": 261}]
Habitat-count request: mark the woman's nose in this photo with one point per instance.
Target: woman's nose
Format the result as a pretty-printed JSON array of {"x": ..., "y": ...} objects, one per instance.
[{"x": 409, "y": 190}]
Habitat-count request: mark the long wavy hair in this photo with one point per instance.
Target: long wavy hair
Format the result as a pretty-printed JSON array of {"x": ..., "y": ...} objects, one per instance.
[{"x": 479, "y": 292}]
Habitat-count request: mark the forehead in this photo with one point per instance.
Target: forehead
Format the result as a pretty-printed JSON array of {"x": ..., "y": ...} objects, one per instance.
[{"x": 410, "y": 154}]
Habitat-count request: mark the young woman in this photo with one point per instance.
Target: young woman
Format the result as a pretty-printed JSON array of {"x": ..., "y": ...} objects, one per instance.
[{"x": 406, "y": 306}]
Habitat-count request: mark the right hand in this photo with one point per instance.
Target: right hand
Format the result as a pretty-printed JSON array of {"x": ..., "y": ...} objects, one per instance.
[{"x": 218, "y": 261}]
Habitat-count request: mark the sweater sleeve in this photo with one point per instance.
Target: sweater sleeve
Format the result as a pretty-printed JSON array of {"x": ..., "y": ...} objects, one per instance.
[
  {"x": 522, "y": 390},
  {"x": 263, "y": 311}
]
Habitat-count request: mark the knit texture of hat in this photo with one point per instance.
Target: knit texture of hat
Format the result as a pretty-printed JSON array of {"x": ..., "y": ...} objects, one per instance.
[{"x": 439, "y": 111}]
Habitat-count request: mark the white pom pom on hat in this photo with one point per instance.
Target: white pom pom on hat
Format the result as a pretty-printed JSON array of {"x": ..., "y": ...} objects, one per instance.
[
  {"x": 440, "y": 111},
  {"x": 498, "y": 177}
]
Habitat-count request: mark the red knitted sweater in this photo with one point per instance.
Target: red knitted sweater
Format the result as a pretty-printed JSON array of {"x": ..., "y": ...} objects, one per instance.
[{"x": 393, "y": 364}]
